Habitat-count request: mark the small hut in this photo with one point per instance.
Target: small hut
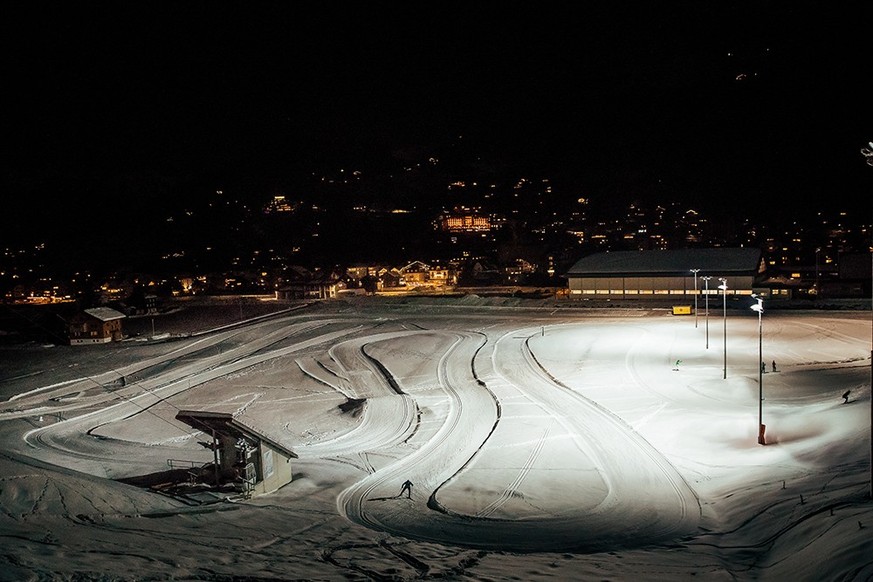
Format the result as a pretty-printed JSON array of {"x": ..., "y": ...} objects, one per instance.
[{"x": 242, "y": 454}]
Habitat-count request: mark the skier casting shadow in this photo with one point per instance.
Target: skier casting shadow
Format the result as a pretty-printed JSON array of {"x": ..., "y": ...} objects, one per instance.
[{"x": 405, "y": 488}]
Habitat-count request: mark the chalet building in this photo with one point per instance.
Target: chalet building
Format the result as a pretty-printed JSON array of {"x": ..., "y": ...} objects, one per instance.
[
  {"x": 420, "y": 274},
  {"x": 242, "y": 455},
  {"x": 441, "y": 276},
  {"x": 359, "y": 271},
  {"x": 516, "y": 271},
  {"x": 854, "y": 277},
  {"x": 315, "y": 289},
  {"x": 304, "y": 284},
  {"x": 99, "y": 325},
  {"x": 415, "y": 274},
  {"x": 390, "y": 278},
  {"x": 465, "y": 223},
  {"x": 667, "y": 275},
  {"x": 485, "y": 273}
]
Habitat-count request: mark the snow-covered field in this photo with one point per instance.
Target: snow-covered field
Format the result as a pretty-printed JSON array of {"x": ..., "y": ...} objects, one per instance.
[{"x": 542, "y": 444}]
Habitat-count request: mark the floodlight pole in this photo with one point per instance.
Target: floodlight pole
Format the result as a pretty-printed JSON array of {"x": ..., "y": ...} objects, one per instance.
[
  {"x": 759, "y": 307},
  {"x": 695, "y": 271},
  {"x": 706, "y": 302},
  {"x": 724, "y": 288},
  {"x": 868, "y": 154}
]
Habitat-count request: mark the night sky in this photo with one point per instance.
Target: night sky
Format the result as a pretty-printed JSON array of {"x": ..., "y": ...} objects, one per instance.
[{"x": 731, "y": 103}]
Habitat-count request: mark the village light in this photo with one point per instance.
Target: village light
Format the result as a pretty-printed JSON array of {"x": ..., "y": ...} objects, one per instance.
[
  {"x": 706, "y": 279},
  {"x": 724, "y": 288},
  {"x": 759, "y": 307},
  {"x": 695, "y": 271}
]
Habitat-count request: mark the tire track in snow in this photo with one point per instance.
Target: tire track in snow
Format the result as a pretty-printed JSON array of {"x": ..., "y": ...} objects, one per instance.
[
  {"x": 511, "y": 490},
  {"x": 436, "y": 461},
  {"x": 439, "y": 464},
  {"x": 604, "y": 525},
  {"x": 389, "y": 416}
]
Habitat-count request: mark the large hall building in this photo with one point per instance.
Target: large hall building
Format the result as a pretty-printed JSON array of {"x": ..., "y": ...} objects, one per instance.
[{"x": 666, "y": 274}]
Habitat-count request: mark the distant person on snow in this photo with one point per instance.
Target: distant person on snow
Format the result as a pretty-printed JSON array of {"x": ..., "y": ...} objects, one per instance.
[
  {"x": 763, "y": 367},
  {"x": 774, "y": 365},
  {"x": 407, "y": 487},
  {"x": 846, "y": 396}
]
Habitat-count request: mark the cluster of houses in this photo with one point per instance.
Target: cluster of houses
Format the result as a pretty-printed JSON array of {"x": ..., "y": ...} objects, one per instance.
[
  {"x": 365, "y": 279},
  {"x": 677, "y": 276}
]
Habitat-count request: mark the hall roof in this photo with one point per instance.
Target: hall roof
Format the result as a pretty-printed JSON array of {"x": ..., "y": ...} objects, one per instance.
[
  {"x": 105, "y": 313},
  {"x": 677, "y": 262}
]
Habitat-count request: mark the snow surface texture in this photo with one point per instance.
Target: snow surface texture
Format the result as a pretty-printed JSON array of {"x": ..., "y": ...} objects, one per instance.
[{"x": 542, "y": 444}]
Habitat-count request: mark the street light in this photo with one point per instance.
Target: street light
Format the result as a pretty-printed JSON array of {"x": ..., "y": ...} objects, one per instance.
[
  {"x": 695, "y": 271},
  {"x": 759, "y": 307},
  {"x": 706, "y": 279},
  {"x": 724, "y": 288}
]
